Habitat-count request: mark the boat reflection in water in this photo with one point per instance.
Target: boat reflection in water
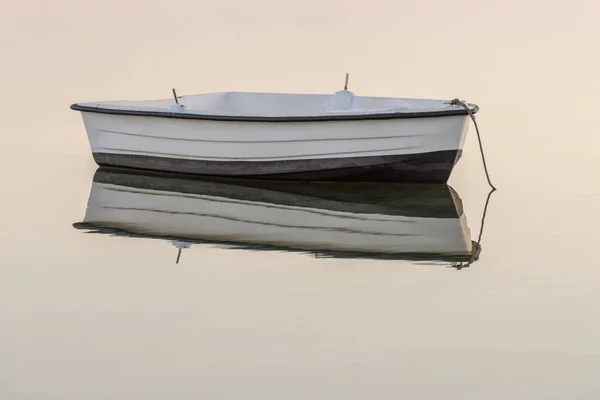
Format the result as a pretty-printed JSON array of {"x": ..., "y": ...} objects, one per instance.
[{"x": 420, "y": 222}]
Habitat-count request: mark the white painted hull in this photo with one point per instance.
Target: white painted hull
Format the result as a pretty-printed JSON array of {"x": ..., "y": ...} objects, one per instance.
[
  {"x": 314, "y": 225},
  {"x": 264, "y": 141}
]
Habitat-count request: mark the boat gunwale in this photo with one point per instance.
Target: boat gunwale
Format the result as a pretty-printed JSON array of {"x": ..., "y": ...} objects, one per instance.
[{"x": 290, "y": 118}]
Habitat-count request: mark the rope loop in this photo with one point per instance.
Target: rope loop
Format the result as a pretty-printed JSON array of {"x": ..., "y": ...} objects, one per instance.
[{"x": 457, "y": 102}]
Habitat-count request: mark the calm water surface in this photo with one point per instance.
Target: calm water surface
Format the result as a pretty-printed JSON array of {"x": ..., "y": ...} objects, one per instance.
[{"x": 113, "y": 315}]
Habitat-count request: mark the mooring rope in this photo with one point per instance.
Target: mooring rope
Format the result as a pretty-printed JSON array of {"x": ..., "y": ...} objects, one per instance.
[
  {"x": 457, "y": 102},
  {"x": 477, "y": 245}
]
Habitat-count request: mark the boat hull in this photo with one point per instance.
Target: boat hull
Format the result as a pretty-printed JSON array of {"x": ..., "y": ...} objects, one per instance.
[{"x": 394, "y": 150}]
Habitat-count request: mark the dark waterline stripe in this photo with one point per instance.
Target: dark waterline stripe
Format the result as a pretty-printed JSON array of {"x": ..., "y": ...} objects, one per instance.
[{"x": 434, "y": 167}]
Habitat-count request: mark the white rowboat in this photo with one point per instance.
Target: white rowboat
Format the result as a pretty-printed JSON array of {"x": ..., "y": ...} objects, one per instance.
[{"x": 340, "y": 137}]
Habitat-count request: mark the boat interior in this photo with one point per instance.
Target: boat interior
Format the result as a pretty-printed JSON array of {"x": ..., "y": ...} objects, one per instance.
[{"x": 277, "y": 104}]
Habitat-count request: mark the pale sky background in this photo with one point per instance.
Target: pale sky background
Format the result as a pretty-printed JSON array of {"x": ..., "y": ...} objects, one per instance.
[{"x": 98, "y": 317}]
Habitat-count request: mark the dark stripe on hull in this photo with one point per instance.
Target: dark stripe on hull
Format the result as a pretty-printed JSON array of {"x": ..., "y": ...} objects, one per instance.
[
  {"x": 434, "y": 167},
  {"x": 449, "y": 112}
]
